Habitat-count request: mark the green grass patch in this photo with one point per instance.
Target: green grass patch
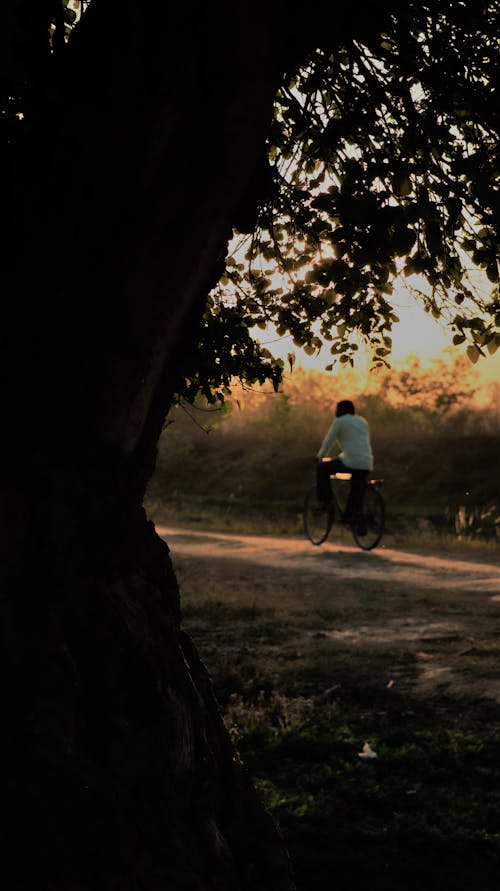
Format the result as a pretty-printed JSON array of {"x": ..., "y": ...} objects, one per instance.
[
  {"x": 422, "y": 811},
  {"x": 312, "y": 679},
  {"x": 413, "y": 530}
]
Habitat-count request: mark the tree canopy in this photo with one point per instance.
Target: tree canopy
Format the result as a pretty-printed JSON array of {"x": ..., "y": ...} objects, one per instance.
[{"x": 382, "y": 162}]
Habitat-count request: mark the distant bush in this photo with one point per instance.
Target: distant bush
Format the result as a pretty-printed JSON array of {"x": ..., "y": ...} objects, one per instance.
[
  {"x": 435, "y": 447},
  {"x": 478, "y": 521}
]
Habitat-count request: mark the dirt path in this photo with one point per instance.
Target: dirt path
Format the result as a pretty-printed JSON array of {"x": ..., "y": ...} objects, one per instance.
[
  {"x": 434, "y": 619},
  {"x": 384, "y": 564}
]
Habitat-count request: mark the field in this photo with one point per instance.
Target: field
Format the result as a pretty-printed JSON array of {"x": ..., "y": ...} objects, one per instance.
[
  {"x": 436, "y": 450},
  {"x": 364, "y": 701},
  {"x": 361, "y": 690}
]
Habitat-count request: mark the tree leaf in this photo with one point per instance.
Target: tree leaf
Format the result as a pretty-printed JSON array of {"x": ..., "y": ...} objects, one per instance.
[
  {"x": 492, "y": 272},
  {"x": 401, "y": 184},
  {"x": 473, "y": 354}
]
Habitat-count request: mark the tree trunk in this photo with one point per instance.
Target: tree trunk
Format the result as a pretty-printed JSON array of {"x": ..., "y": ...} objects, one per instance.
[{"x": 139, "y": 141}]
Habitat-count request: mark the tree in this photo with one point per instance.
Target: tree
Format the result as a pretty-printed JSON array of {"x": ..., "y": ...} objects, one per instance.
[
  {"x": 133, "y": 147},
  {"x": 382, "y": 158}
]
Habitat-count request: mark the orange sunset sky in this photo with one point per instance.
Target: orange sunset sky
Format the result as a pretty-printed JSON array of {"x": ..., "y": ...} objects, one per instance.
[{"x": 416, "y": 333}]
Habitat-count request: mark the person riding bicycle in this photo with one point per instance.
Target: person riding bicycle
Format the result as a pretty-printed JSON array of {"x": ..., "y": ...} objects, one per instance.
[{"x": 352, "y": 433}]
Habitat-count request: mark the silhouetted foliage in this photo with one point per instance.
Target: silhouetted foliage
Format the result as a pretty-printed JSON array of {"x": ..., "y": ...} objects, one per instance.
[
  {"x": 381, "y": 162},
  {"x": 383, "y": 156}
]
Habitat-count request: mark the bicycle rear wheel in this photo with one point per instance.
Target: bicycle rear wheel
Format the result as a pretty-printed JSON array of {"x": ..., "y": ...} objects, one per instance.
[
  {"x": 369, "y": 531},
  {"x": 317, "y": 519}
]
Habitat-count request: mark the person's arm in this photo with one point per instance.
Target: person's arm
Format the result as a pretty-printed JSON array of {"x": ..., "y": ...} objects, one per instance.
[{"x": 328, "y": 441}]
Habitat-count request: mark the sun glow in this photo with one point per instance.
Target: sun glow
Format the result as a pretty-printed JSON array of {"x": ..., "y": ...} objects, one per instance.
[{"x": 416, "y": 333}]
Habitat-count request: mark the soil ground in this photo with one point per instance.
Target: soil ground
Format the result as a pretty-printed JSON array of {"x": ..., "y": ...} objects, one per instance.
[
  {"x": 363, "y": 693},
  {"x": 446, "y": 610}
]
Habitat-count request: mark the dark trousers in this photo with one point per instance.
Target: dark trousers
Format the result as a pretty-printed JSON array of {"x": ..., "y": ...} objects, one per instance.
[{"x": 359, "y": 478}]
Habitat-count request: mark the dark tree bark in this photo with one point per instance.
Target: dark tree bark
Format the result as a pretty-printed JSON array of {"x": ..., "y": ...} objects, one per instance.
[
  {"x": 140, "y": 139},
  {"x": 141, "y": 144}
]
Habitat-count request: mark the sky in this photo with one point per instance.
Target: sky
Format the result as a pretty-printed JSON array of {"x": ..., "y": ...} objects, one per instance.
[{"x": 416, "y": 333}]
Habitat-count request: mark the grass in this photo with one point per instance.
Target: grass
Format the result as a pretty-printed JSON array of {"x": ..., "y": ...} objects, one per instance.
[
  {"x": 310, "y": 670},
  {"x": 412, "y": 531},
  {"x": 421, "y": 812}
]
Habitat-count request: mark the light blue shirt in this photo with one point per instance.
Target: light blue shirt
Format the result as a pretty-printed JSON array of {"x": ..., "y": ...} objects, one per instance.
[{"x": 353, "y": 435}]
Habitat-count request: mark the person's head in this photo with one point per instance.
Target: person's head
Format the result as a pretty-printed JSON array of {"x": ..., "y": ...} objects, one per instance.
[{"x": 345, "y": 407}]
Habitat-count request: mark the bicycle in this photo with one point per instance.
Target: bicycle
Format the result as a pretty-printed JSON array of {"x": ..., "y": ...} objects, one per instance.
[{"x": 319, "y": 520}]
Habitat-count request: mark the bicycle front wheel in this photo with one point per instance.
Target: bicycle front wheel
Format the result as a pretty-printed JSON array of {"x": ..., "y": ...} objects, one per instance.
[
  {"x": 317, "y": 519},
  {"x": 368, "y": 532}
]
